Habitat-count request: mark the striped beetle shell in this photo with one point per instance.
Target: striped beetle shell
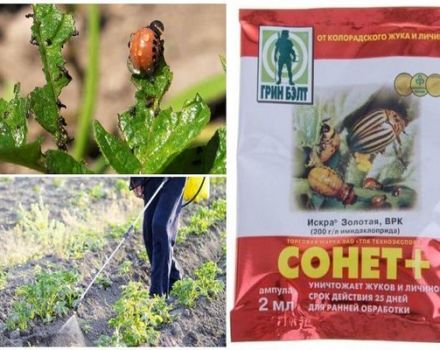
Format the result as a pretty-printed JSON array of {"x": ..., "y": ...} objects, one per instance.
[{"x": 373, "y": 132}]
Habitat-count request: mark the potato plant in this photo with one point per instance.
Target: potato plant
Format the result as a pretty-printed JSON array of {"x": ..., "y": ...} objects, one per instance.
[
  {"x": 188, "y": 290},
  {"x": 51, "y": 295},
  {"x": 138, "y": 317},
  {"x": 203, "y": 219},
  {"x": 206, "y": 279},
  {"x": 219, "y": 209},
  {"x": 103, "y": 281},
  {"x": 126, "y": 268},
  {"x": 142, "y": 255},
  {"x": 154, "y": 140}
]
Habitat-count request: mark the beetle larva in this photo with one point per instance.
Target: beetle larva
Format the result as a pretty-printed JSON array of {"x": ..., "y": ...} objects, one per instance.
[{"x": 328, "y": 183}]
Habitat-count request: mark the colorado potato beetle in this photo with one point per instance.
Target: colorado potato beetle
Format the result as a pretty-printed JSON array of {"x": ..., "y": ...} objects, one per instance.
[
  {"x": 326, "y": 182},
  {"x": 328, "y": 143},
  {"x": 373, "y": 132},
  {"x": 146, "y": 48}
]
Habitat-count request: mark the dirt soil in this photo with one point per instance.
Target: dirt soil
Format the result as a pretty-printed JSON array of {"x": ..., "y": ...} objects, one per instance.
[
  {"x": 195, "y": 36},
  {"x": 204, "y": 325}
]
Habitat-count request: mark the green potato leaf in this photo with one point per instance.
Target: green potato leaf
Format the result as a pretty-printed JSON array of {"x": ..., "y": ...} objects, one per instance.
[
  {"x": 135, "y": 125},
  {"x": 13, "y": 134},
  {"x": 28, "y": 155},
  {"x": 46, "y": 110},
  {"x": 171, "y": 132},
  {"x": 157, "y": 140},
  {"x": 51, "y": 30},
  {"x": 116, "y": 151},
  {"x": 216, "y": 150},
  {"x": 59, "y": 162},
  {"x": 13, "y": 123},
  {"x": 152, "y": 88}
]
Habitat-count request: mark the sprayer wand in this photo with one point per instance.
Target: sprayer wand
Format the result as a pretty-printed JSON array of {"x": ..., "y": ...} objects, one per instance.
[{"x": 126, "y": 234}]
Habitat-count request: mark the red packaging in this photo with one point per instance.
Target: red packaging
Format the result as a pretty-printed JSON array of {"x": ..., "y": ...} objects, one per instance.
[{"x": 338, "y": 194}]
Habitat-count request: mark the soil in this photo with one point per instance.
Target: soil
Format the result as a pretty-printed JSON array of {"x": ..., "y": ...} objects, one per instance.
[
  {"x": 204, "y": 325},
  {"x": 195, "y": 36}
]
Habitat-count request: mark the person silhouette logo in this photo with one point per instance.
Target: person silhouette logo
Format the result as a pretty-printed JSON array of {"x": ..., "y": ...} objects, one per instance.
[
  {"x": 285, "y": 55},
  {"x": 285, "y": 63}
]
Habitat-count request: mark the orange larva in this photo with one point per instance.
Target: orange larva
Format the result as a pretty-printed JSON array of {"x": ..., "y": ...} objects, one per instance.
[
  {"x": 146, "y": 48},
  {"x": 326, "y": 182}
]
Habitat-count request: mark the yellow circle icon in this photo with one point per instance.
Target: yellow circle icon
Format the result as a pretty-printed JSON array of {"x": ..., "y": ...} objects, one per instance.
[
  {"x": 433, "y": 85},
  {"x": 402, "y": 84},
  {"x": 418, "y": 84}
]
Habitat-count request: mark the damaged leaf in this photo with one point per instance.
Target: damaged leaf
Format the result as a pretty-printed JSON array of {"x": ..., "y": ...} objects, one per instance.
[{"x": 51, "y": 29}]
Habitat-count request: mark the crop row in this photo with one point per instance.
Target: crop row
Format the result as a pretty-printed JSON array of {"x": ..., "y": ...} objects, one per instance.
[
  {"x": 188, "y": 290},
  {"x": 203, "y": 219},
  {"x": 139, "y": 317},
  {"x": 51, "y": 295}
]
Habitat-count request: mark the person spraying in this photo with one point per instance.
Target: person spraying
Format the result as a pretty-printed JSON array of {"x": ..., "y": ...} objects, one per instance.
[{"x": 160, "y": 228}]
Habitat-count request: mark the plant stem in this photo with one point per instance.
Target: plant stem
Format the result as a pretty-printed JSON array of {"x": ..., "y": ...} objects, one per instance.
[
  {"x": 100, "y": 165},
  {"x": 91, "y": 84}
]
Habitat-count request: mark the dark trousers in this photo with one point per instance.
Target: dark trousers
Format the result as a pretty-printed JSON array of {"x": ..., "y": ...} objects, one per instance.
[{"x": 160, "y": 230}]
